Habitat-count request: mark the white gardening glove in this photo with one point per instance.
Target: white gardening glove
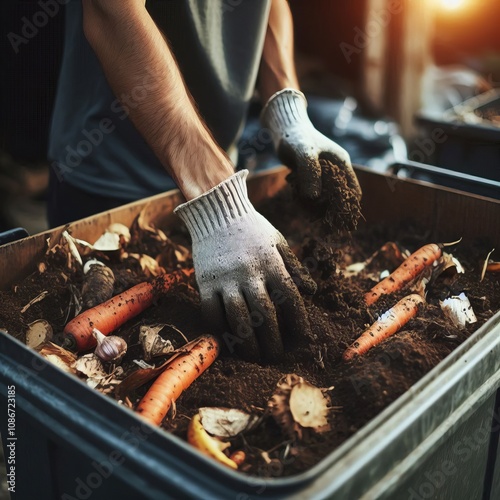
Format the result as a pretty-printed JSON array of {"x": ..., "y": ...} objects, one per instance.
[
  {"x": 300, "y": 146},
  {"x": 245, "y": 272}
]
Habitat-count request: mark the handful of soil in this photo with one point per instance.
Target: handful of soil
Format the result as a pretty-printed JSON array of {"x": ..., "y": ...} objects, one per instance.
[{"x": 337, "y": 207}]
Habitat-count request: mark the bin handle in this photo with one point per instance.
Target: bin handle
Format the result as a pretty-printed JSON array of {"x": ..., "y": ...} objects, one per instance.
[
  {"x": 11, "y": 235},
  {"x": 468, "y": 181}
]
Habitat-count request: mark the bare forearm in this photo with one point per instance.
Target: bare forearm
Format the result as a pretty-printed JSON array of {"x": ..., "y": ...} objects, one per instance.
[
  {"x": 277, "y": 70},
  {"x": 138, "y": 62}
]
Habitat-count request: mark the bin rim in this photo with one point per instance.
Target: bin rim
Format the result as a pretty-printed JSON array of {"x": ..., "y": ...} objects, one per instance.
[{"x": 360, "y": 445}]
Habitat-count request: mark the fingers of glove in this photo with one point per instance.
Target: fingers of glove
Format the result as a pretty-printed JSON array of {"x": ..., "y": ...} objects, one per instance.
[
  {"x": 264, "y": 322},
  {"x": 304, "y": 163},
  {"x": 212, "y": 310},
  {"x": 344, "y": 163},
  {"x": 241, "y": 339},
  {"x": 291, "y": 310},
  {"x": 299, "y": 273}
]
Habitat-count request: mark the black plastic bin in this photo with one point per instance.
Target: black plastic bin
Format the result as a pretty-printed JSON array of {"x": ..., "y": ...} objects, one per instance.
[
  {"x": 459, "y": 141},
  {"x": 448, "y": 178},
  {"x": 72, "y": 442}
]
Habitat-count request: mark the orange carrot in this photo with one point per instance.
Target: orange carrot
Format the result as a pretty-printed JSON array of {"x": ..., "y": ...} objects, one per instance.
[
  {"x": 111, "y": 314},
  {"x": 184, "y": 369},
  {"x": 406, "y": 272},
  {"x": 388, "y": 324},
  {"x": 493, "y": 267}
]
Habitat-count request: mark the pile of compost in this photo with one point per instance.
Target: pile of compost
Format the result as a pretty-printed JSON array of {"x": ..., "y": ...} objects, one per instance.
[{"x": 337, "y": 313}]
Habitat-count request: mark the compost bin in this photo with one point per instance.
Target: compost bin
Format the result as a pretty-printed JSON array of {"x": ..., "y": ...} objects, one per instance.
[
  {"x": 466, "y": 138},
  {"x": 438, "y": 440}
]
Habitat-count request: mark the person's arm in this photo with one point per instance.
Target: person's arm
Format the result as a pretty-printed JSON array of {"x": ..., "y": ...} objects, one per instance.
[
  {"x": 243, "y": 265},
  {"x": 277, "y": 68},
  {"x": 137, "y": 61},
  {"x": 298, "y": 144}
]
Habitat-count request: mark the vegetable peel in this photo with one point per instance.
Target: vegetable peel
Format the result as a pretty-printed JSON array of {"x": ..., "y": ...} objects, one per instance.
[
  {"x": 297, "y": 405},
  {"x": 208, "y": 445}
]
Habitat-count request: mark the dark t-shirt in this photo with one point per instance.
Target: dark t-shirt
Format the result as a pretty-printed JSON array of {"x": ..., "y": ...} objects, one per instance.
[{"x": 95, "y": 147}]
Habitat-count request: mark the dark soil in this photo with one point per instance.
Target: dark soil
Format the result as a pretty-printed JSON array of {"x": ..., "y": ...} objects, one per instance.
[
  {"x": 337, "y": 315},
  {"x": 338, "y": 207}
]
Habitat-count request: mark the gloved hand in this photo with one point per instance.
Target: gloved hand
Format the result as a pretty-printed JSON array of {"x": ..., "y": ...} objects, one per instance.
[
  {"x": 245, "y": 271},
  {"x": 300, "y": 146}
]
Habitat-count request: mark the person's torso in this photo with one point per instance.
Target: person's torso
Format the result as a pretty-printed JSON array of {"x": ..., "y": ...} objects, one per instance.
[{"x": 93, "y": 144}]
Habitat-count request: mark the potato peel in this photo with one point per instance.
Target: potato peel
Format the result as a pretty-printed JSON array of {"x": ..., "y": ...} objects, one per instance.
[{"x": 199, "y": 438}]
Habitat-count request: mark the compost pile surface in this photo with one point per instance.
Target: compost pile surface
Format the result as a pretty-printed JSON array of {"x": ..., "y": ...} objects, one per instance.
[{"x": 337, "y": 314}]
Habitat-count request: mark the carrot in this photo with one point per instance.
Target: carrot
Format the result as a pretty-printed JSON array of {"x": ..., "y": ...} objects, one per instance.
[
  {"x": 180, "y": 373},
  {"x": 111, "y": 314},
  {"x": 406, "y": 272},
  {"x": 388, "y": 324}
]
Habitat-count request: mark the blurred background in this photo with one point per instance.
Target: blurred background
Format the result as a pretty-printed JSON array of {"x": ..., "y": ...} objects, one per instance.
[{"x": 380, "y": 76}]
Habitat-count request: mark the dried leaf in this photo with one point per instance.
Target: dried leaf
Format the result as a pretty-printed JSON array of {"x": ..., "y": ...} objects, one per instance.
[
  {"x": 90, "y": 366},
  {"x": 485, "y": 265},
  {"x": 72, "y": 247},
  {"x": 153, "y": 344},
  {"x": 108, "y": 384},
  {"x": 75, "y": 300},
  {"x": 58, "y": 356},
  {"x": 38, "y": 298},
  {"x": 39, "y": 332},
  {"x": 182, "y": 254},
  {"x": 225, "y": 422},
  {"x": 137, "y": 379},
  {"x": 121, "y": 230},
  {"x": 141, "y": 376},
  {"x": 150, "y": 266},
  {"x": 57, "y": 361},
  {"x": 141, "y": 224},
  {"x": 447, "y": 261}
]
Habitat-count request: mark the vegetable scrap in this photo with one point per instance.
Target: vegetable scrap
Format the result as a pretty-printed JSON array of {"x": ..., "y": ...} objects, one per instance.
[
  {"x": 386, "y": 325},
  {"x": 179, "y": 373},
  {"x": 458, "y": 310},
  {"x": 109, "y": 349},
  {"x": 128, "y": 321},
  {"x": 407, "y": 271},
  {"x": 297, "y": 405}
]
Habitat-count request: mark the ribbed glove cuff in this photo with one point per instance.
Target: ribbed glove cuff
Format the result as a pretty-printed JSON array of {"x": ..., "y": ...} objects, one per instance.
[
  {"x": 286, "y": 107},
  {"x": 218, "y": 208}
]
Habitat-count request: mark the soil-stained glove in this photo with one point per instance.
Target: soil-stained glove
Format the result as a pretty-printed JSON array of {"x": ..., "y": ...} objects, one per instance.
[
  {"x": 300, "y": 146},
  {"x": 246, "y": 272}
]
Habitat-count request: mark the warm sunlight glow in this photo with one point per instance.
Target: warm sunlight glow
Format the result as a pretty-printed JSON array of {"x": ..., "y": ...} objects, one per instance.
[{"x": 452, "y": 4}]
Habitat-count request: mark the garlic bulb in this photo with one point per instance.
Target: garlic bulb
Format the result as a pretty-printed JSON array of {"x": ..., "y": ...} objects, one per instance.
[{"x": 109, "y": 349}]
